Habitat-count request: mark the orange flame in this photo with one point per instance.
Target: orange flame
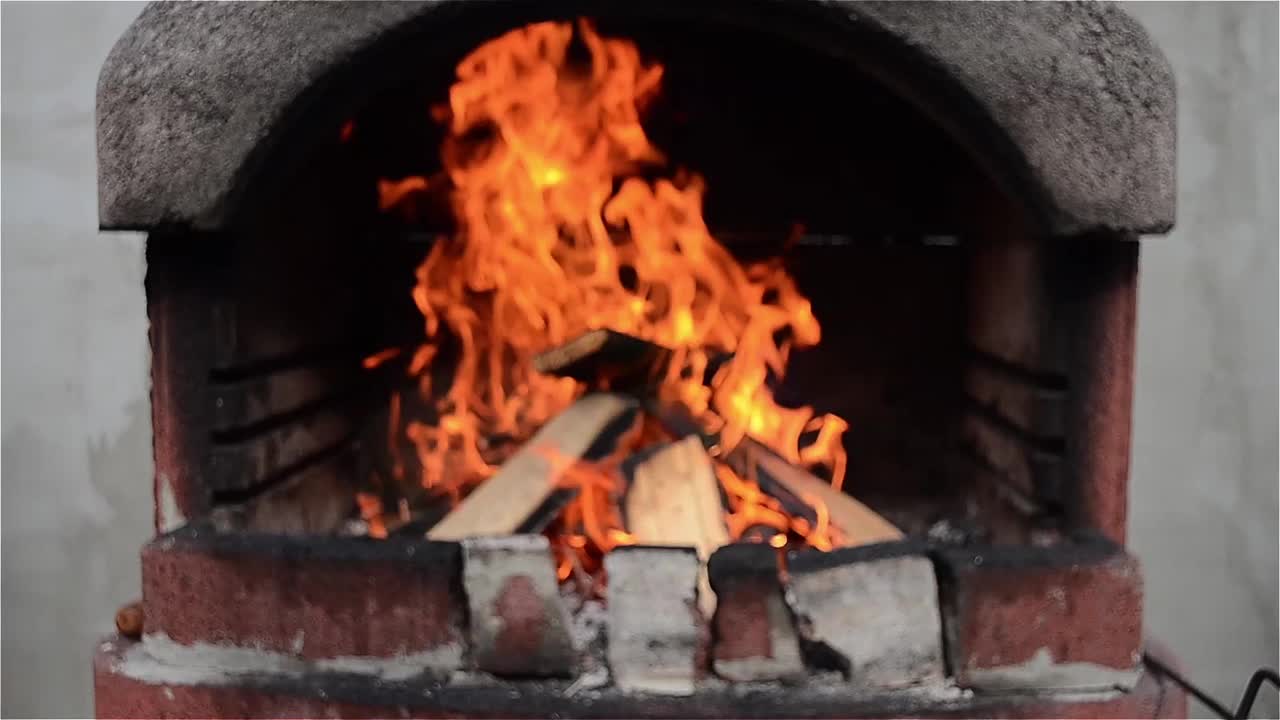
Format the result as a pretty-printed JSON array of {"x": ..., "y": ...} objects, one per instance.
[
  {"x": 391, "y": 192},
  {"x": 558, "y": 234},
  {"x": 380, "y": 357},
  {"x": 371, "y": 511}
]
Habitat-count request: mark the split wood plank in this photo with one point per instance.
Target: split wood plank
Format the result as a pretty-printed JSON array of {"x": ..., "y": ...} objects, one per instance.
[
  {"x": 793, "y": 486},
  {"x": 674, "y": 500},
  {"x": 858, "y": 524},
  {"x": 503, "y": 502},
  {"x": 623, "y": 361}
]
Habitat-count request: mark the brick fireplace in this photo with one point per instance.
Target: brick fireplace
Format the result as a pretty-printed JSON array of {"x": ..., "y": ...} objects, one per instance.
[{"x": 956, "y": 190}]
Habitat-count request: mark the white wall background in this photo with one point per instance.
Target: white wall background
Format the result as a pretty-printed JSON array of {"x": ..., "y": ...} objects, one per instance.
[
  {"x": 1203, "y": 508},
  {"x": 76, "y": 464},
  {"x": 76, "y": 460}
]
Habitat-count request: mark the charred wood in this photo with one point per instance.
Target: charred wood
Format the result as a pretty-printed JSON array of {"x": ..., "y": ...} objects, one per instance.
[{"x": 606, "y": 359}]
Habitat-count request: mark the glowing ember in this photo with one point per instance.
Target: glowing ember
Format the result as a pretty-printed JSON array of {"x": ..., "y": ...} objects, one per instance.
[
  {"x": 558, "y": 234},
  {"x": 371, "y": 512},
  {"x": 378, "y": 358}
]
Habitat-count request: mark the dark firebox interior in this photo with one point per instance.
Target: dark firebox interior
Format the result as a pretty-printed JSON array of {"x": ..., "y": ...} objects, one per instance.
[{"x": 920, "y": 270}]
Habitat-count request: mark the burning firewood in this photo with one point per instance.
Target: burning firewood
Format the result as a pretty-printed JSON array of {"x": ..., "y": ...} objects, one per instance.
[
  {"x": 798, "y": 490},
  {"x": 547, "y": 512},
  {"x": 505, "y": 502},
  {"x": 604, "y": 358},
  {"x": 626, "y": 363},
  {"x": 857, "y": 523},
  {"x": 674, "y": 499}
]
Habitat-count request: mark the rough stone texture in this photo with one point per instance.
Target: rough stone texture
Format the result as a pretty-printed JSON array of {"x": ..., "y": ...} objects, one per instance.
[
  {"x": 519, "y": 624},
  {"x": 1069, "y": 102},
  {"x": 754, "y": 635},
  {"x": 655, "y": 631},
  {"x": 1079, "y": 89},
  {"x": 311, "y": 599},
  {"x": 188, "y": 93},
  {"x": 876, "y": 607},
  {"x": 1060, "y": 618},
  {"x": 127, "y": 684}
]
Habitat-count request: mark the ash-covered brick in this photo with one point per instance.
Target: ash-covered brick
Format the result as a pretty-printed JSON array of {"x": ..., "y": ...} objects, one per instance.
[
  {"x": 1067, "y": 617},
  {"x": 519, "y": 624},
  {"x": 754, "y": 635},
  {"x": 873, "y": 610},
  {"x": 656, "y": 632},
  {"x": 129, "y": 684},
  {"x": 312, "y": 599}
]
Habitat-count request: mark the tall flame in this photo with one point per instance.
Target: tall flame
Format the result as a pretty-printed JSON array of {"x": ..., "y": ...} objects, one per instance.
[{"x": 559, "y": 234}]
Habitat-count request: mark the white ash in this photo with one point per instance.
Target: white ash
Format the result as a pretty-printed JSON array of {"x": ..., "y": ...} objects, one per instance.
[
  {"x": 1041, "y": 672},
  {"x": 957, "y": 531},
  {"x": 354, "y": 528},
  {"x": 945, "y": 532},
  {"x": 159, "y": 659},
  {"x": 588, "y": 620},
  {"x": 592, "y": 679},
  {"x": 652, "y": 633},
  {"x": 137, "y": 664},
  {"x": 881, "y": 617},
  {"x": 588, "y": 627},
  {"x": 171, "y": 517}
]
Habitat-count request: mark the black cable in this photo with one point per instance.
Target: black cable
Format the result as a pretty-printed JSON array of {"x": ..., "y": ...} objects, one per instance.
[
  {"x": 1246, "y": 701},
  {"x": 1218, "y": 708},
  {"x": 1251, "y": 690}
]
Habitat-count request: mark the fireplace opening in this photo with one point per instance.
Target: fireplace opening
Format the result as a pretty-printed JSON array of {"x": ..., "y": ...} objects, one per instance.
[
  {"x": 880, "y": 218},
  {"x": 823, "y": 391}
]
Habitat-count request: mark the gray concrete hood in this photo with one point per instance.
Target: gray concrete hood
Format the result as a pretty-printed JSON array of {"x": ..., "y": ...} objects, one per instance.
[{"x": 1069, "y": 105}]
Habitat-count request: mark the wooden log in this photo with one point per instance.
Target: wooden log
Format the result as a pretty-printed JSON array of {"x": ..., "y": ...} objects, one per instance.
[
  {"x": 501, "y": 504},
  {"x": 606, "y": 359},
  {"x": 673, "y": 499},
  {"x": 622, "y": 361},
  {"x": 858, "y": 524},
  {"x": 793, "y": 486}
]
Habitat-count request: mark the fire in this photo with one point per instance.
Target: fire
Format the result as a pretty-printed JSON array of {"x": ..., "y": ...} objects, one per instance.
[
  {"x": 371, "y": 512},
  {"x": 558, "y": 234},
  {"x": 380, "y": 357}
]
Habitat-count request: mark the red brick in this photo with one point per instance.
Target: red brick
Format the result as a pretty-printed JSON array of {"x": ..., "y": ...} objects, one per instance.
[
  {"x": 1005, "y": 607},
  {"x": 519, "y": 624},
  {"x": 753, "y": 632},
  {"x": 742, "y": 623},
  {"x": 1105, "y": 300},
  {"x": 312, "y": 598}
]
